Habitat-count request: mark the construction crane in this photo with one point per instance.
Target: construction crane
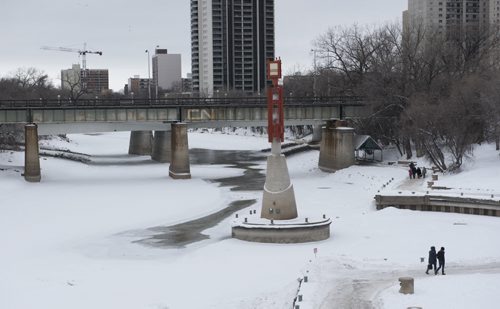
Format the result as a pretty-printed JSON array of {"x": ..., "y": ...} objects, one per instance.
[{"x": 83, "y": 52}]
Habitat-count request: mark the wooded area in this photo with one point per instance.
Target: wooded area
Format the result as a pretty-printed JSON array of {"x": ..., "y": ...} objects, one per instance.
[{"x": 436, "y": 92}]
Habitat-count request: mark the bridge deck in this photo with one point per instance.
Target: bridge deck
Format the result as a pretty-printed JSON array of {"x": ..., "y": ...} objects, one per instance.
[{"x": 117, "y": 115}]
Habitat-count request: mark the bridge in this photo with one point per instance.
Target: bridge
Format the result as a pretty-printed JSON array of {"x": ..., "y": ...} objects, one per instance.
[
  {"x": 108, "y": 115},
  {"x": 170, "y": 118}
]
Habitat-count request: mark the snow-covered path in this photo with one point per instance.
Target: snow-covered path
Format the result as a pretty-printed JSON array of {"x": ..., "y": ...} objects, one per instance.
[{"x": 361, "y": 289}]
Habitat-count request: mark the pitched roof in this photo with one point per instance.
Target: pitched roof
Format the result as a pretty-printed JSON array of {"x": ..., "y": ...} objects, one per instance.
[{"x": 364, "y": 142}]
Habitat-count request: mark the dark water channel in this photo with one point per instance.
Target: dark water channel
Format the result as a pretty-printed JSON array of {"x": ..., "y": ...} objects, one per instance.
[
  {"x": 180, "y": 235},
  {"x": 252, "y": 178}
]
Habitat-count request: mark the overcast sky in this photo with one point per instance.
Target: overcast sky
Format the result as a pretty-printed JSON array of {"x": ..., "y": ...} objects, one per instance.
[{"x": 124, "y": 29}]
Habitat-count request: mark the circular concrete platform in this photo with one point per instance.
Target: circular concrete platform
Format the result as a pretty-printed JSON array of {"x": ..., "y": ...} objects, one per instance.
[{"x": 282, "y": 231}]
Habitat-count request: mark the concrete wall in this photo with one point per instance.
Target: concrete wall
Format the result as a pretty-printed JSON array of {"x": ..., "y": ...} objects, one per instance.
[
  {"x": 440, "y": 204},
  {"x": 277, "y": 235}
]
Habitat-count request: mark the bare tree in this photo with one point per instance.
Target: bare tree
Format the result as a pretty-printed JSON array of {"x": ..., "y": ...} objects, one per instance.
[
  {"x": 349, "y": 51},
  {"x": 30, "y": 78},
  {"x": 26, "y": 83},
  {"x": 73, "y": 87}
]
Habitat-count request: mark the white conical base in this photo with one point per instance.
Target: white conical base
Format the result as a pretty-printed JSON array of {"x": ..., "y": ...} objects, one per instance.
[{"x": 278, "y": 202}]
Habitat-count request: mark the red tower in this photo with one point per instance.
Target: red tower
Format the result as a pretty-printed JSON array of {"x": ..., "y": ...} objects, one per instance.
[{"x": 275, "y": 114}]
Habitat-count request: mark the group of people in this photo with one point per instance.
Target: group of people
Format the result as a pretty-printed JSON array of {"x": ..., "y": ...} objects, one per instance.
[
  {"x": 416, "y": 171},
  {"x": 436, "y": 257}
]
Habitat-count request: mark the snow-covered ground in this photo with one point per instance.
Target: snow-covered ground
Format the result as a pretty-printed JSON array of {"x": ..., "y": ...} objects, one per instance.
[{"x": 68, "y": 242}]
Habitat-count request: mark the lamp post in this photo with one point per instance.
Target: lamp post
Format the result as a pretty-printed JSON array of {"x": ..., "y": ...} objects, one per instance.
[
  {"x": 315, "y": 71},
  {"x": 149, "y": 76},
  {"x": 156, "y": 74}
]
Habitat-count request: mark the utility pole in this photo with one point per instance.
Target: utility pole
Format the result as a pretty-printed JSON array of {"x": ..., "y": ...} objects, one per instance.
[
  {"x": 149, "y": 76},
  {"x": 315, "y": 71},
  {"x": 156, "y": 76}
]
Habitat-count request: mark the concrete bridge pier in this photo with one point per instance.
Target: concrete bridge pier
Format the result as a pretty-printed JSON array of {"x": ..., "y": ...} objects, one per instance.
[
  {"x": 317, "y": 133},
  {"x": 31, "y": 157},
  {"x": 141, "y": 143},
  {"x": 337, "y": 146},
  {"x": 179, "y": 164},
  {"x": 162, "y": 150}
]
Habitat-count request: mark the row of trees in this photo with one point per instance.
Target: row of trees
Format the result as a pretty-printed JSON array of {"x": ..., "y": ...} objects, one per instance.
[
  {"x": 26, "y": 83},
  {"x": 29, "y": 84},
  {"x": 436, "y": 91},
  {"x": 33, "y": 84}
]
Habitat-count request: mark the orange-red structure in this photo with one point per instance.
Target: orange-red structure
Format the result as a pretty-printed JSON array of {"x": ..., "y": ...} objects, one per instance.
[{"x": 275, "y": 113}]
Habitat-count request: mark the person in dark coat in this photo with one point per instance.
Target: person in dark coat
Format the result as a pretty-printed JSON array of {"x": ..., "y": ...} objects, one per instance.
[
  {"x": 432, "y": 260},
  {"x": 419, "y": 172},
  {"x": 440, "y": 257},
  {"x": 413, "y": 170},
  {"x": 424, "y": 172}
]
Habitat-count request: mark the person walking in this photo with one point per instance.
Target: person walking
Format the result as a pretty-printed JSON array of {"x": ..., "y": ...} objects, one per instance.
[
  {"x": 432, "y": 260},
  {"x": 424, "y": 171},
  {"x": 440, "y": 257}
]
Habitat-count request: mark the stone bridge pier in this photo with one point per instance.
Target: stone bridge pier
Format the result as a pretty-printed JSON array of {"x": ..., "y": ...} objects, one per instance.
[
  {"x": 317, "y": 134},
  {"x": 165, "y": 147},
  {"x": 31, "y": 154},
  {"x": 144, "y": 143},
  {"x": 162, "y": 147},
  {"x": 179, "y": 164},
  {"x": 141, "y": 143},
  {"x": 337, "y": 146}
]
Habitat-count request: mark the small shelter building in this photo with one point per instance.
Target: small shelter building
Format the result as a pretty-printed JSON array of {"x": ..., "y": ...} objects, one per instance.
[{"x": 367, "y": 149}]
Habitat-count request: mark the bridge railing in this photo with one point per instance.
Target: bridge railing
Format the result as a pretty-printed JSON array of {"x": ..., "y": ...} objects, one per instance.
[{"x": 177, "y": 102}]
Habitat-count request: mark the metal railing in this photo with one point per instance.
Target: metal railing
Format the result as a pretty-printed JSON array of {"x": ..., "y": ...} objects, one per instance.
[{"x": 179, "y": 102}]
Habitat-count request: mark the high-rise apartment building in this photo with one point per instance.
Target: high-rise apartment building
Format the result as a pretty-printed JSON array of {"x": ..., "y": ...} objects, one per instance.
[
  {"x": 452, "y": 16},
  {"x": 231, "y": 41},
  {"x": 90, "y": 80},
  {"x": 96, "y": 81},
  {"x": 167, "y": 71}
]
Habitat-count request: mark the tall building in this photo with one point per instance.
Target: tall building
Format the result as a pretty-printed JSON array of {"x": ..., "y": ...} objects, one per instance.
[
  {"x": 96, "y": 81},
  {"x": 167, "y": 71},
  {"x": 231, "y": 41},
  {"x": 71, "y": 78},
  {"x": 139, "y": 86},
  {"x": 452, "y": 17},
  {"x": 89, "y": 80}
]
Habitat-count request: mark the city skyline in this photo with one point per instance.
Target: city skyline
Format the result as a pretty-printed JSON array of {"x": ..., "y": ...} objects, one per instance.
[{"x": 124, "y": 30}]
